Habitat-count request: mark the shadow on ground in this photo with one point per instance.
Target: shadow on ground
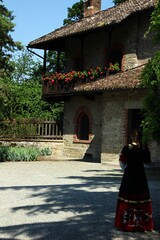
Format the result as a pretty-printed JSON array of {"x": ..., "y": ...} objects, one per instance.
[{"x": 84, "y": 210}]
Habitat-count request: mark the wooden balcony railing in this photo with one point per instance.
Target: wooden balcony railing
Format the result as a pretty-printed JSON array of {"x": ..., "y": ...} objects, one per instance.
[
  {"x": 58, "y": 88},
  {"x": 59, "y": 83}
]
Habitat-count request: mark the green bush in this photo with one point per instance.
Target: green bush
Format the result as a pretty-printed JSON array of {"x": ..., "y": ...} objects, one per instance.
[
  {"x": 21, "y": 153},
  {"x": 3, "y": 153},
  {"x": 46, "y": 152}
]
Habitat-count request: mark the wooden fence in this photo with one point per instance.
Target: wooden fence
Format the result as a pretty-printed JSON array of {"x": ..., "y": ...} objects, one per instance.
[{"x": 31, "y": 129}]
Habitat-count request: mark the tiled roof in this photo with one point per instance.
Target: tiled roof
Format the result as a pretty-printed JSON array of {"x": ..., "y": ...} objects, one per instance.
[
  {"x": 98, "y": 20},
  {"x": 129, "y": 79}
]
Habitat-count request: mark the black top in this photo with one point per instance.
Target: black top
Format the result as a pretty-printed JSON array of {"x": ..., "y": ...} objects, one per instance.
[{"x": 134, "y": 184}]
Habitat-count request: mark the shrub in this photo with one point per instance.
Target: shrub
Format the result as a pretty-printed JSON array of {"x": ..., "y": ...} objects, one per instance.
[
  {"x": 3, "y": 153},
  {"x": 46, "y": 152},
  {"x": 21, "y": 153}
]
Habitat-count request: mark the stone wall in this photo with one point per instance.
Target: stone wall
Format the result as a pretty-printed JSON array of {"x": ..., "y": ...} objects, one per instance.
[
  {"x": 129, "y": 36},
  {"x": 94, "y": 50},
  {"x": 114, "y": 132},
  {"x": 79, "y": 149},
  {"x": 108, "y": 126},
  {"x": 114, "y": 122}
]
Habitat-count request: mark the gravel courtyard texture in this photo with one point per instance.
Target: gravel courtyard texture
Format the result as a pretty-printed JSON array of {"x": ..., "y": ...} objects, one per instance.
[{"x": 72, "y": 200}]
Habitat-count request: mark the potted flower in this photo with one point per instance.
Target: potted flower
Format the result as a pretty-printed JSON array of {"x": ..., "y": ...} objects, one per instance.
[{"x": 113, "y": 68}]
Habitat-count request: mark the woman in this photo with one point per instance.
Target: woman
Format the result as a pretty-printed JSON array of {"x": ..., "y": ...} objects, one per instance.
[{"x": 134, "y": 206}]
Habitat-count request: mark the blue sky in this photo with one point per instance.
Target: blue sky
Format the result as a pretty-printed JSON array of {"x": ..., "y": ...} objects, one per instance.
[{"x": 35, "y": 18}]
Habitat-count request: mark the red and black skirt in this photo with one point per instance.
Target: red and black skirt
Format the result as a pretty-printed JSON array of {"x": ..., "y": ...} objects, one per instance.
[
  {"x": 134, "y": 206},
  {"x": 134, "y": 216}
]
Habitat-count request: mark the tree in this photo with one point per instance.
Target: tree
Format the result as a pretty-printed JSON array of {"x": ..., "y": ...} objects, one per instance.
[
  {"x": 7, "y": 44},
  {"x": 7, "y": 47},
  {"x": 150, "y": 79},
  {"x": 25, "y": 67},
  {"x": 52, "y": 62},
  {"x": 22, "y": 93},
  {"x": 75, "y": 13},
  {"x": 28, "y": 102},
  {"x": 155, "y": 22},
  {"x": 21, "y": 78}
]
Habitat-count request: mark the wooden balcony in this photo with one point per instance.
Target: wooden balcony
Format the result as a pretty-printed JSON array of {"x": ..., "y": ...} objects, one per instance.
[
  {"x": 60, "y": 88},
  {"x": 63, "y": 84}
]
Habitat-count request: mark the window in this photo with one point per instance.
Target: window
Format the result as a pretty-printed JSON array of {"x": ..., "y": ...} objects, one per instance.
[
  {"x": 116, "y": 57},
  {"x": 83, "y": 127},
  {"x": 134, "y": 120},
  {"x": 77, "y": 63}
]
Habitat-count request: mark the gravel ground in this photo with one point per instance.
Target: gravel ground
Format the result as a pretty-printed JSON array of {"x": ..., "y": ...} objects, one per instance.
[{"x": 60, "y": 200}]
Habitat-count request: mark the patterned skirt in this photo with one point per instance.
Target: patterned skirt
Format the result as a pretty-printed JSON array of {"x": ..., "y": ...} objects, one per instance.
[
  {"x": 134, "y": 206},
  {"x": 134, "y": 216}
]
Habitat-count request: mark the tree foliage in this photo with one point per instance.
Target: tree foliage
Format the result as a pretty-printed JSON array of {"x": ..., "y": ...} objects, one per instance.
[
  {"x": 28, "y": 102},
  {"x": 7, "y": 44},
  {"x": 155, "y": 22},
  {"x": 25, "y": 67},
  {"x": 52, "y": 62},
  {"x": 22, "y": 93},
  {"x": 75, "y": 13},
  {"x": 150, "y": 79}
]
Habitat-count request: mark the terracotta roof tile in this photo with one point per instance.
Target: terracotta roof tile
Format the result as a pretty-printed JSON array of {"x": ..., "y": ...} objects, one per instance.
[
  {"x": 103, "y": 18},
  {"x": 129, "y": 79}
]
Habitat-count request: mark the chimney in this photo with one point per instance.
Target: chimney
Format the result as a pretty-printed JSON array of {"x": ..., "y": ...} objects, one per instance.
[{"x": 90, "y": 7}]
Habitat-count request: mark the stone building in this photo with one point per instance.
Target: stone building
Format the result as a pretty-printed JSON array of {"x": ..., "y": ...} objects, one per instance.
[{"x": 100, "y": 113}]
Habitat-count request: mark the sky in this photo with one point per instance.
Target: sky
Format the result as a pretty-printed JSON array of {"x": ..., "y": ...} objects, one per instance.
[{"x": 35, "y": 18}]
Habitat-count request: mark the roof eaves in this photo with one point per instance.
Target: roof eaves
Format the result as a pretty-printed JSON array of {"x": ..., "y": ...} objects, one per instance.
[{"x": 101, "y": 19}]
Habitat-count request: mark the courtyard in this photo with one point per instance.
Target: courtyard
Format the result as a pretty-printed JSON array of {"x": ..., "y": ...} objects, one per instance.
[{"x": 66, "y": 200}]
